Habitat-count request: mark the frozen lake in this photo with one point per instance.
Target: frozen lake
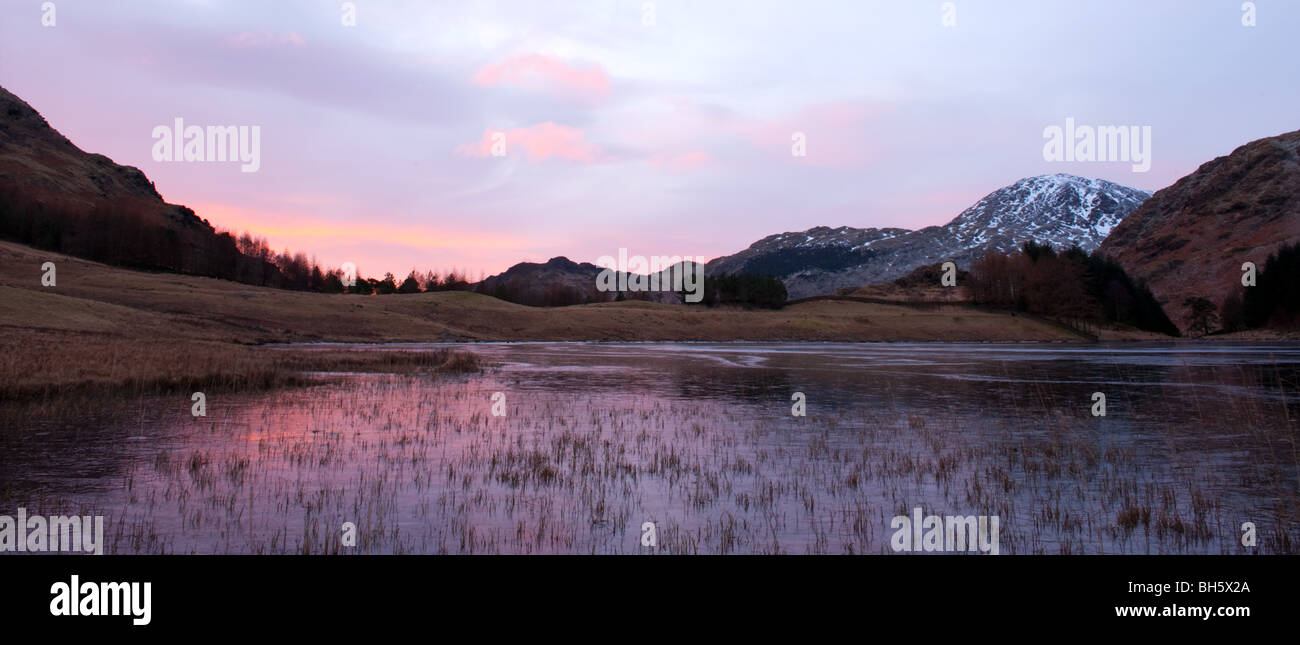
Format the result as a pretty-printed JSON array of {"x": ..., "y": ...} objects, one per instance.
[{"x": 701, "y": 441}]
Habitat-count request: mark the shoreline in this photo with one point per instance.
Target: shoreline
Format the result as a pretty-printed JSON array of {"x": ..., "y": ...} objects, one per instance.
[{"x": 43, "y": 366}]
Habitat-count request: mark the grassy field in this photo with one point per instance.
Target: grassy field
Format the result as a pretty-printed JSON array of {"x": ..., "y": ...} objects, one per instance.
[{"x": 103, "y": 326}]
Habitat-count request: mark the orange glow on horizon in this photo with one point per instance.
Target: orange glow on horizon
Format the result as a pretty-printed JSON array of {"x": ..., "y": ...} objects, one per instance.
[{"x": 492, "y": 253}]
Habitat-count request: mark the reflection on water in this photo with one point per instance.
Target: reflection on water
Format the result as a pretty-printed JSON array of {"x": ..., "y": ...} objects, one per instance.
[{"x": 700, "y": 440}]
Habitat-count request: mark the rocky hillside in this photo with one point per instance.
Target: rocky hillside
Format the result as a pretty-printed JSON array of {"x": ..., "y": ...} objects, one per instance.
[
  {"x": 561, "y": 281},
  {"x": 34, "y": 157},
  {"x": 39, "y": 164},
  {"x": 1191, "y": 238},
  {"x": 1062, "y": 210}
]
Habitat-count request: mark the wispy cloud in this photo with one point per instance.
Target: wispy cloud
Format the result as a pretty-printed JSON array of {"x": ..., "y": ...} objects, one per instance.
[
  {"x": 684, "y": 129},
  {"x": 536, "y": 143},
  {"x": 548, "y": 73},
  {"x": 250, "y": 39},
  {"x": 834, "y": 134},
  {"x": 683, "y": 161}
]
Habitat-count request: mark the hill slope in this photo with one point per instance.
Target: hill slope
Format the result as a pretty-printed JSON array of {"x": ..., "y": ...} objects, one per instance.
[
  {"x": 55, "y": 196},
  {"x": 1191, "y": 238}
]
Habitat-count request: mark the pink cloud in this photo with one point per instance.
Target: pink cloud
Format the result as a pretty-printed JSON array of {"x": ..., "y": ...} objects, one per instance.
[
  {"x": 684, "y": 161},
  {"x": 835, "y": 134},
  {"x": 538, "y": 142},
  {"x": 546, "y": 72},
  {"x": 250, "y": 39}
]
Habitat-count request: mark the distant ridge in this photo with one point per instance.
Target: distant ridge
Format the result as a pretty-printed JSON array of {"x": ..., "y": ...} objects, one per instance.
[{"x": 1061, "y": 210}]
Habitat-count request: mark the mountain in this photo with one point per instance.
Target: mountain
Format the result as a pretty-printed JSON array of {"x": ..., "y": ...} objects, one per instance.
[
  {"x": 35, "y": 158},
  {"x": 1191, "y": 238},
  {"x": 1062, "y": 210},
  {"x": 561, "y": 281},
  {"x": 57, "y": 197}
]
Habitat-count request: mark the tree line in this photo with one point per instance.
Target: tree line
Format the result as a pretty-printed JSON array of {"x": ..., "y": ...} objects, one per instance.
[
  {"x": 415, "y": 282},
  {"x": 1273, "y": 302},
  {"x": 144, "y": 234},
  {"x": 141, "y": 233},
  {"x": 744, "y": 289},
  {"x": 1071, "y": 286}
]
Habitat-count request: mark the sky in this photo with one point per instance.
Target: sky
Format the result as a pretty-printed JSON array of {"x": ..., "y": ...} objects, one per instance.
[{"x": 670, "y": 127}]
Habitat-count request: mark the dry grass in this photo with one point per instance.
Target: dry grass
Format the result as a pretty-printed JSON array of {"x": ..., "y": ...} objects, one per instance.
[
  {"x": 423, "y": 468},
  {"x": 39, "y": 364}
]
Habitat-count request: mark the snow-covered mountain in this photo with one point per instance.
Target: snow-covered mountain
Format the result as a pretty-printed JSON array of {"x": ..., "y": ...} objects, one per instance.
[{"x": 1061, "y": 210}]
